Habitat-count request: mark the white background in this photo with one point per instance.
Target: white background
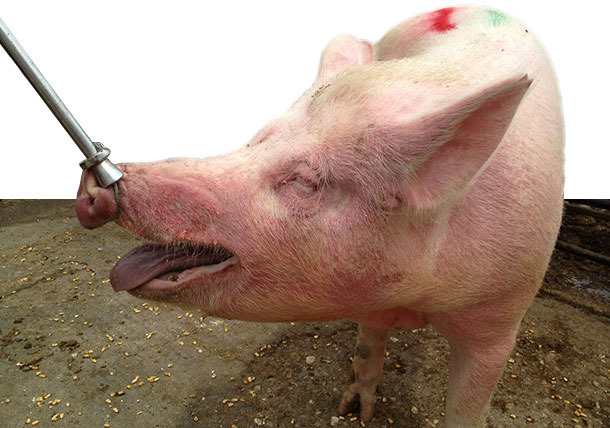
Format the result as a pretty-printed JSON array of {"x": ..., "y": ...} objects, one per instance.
[{"x": 154, "y": 79}]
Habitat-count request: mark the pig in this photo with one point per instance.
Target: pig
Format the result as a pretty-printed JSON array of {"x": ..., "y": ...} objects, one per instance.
[{"x": 419, "y": 181}]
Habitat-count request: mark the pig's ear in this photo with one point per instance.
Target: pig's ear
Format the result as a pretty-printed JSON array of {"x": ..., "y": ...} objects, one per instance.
[
  {"x": 342, "y": 52},
  {"x": 454, "y": 142}
]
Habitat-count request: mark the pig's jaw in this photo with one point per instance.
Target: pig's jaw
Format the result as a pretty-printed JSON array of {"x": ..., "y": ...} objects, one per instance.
[{"x": 164, "y": 269}]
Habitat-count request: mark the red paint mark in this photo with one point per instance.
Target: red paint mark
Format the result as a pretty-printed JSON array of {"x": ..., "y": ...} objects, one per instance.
[{"x": 440, "y": 20}]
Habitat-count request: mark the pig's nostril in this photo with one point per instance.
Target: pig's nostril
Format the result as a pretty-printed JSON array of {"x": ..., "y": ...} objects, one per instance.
[{"x": 96, "y": 206}]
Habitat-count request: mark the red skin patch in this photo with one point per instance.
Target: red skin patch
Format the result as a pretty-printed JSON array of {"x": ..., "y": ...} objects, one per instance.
[{"x": 440, "y": 20}]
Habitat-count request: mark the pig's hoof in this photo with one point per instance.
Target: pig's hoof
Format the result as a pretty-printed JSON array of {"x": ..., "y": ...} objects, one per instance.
[{"x": 359, "y": 395}]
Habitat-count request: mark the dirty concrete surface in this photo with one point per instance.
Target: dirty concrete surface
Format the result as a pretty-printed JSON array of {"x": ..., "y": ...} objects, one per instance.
[{"x": 74, "y": 353}]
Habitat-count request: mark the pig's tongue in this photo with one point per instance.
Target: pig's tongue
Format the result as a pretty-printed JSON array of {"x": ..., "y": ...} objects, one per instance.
[{"x": 149, "y": 261}]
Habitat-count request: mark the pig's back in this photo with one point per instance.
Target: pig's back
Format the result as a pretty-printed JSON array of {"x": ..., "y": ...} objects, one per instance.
[
  {"x": 480, "y": 36},
  {"x": 512, "y": 213}
]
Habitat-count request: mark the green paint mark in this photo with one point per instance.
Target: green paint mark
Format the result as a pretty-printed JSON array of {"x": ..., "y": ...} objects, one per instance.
[{"x": 496, "y": 18}]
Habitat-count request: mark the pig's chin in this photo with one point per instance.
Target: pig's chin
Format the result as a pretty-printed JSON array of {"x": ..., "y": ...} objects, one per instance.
[{"x": 164, "y": 268}]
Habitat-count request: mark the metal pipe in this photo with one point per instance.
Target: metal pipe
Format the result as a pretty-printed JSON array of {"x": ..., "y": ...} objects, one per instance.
[
  {"x": 598, "y": 203},
  {"x": 591, "y": 255},
  {"x": 97, "y": 155},
  {"x": 582, "y": 209}
]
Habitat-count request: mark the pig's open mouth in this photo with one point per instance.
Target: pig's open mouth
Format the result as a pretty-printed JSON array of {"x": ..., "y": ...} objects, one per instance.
[{"x": 165, "y": 267}]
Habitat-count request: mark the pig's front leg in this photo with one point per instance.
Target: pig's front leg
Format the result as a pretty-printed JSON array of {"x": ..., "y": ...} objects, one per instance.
[
  {"x": 368, "y": 367},
  {"x": 482, "y": 338}
]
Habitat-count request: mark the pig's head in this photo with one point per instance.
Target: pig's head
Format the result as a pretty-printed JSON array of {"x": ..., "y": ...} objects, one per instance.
[{"x": 329, "y": 211}]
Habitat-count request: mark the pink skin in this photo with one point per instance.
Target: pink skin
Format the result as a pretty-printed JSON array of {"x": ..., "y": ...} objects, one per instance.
[{"x": 393, "y": 193}]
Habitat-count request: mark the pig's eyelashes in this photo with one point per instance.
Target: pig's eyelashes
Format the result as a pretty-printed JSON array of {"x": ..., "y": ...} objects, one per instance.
[
  {"x": 300, "y": 196},
  {"x": 300, "y": 184}
]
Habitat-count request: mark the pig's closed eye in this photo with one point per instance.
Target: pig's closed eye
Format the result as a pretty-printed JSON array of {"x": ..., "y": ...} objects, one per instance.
[
  {"x": 300, "y": 184},
  {"x": 301, "y": 181},
  {"x": 300, "y": 191}
]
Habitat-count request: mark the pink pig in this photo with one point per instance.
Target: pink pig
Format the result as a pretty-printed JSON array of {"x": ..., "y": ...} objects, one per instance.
[{"x": 418, "y": 181}]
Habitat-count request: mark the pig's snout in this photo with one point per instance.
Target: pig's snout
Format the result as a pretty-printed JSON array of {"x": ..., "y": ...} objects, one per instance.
[{"x": 95, "y": 205}]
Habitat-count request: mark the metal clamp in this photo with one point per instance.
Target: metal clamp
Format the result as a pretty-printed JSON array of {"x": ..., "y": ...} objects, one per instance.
[{"x": 101, "y": 155}]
